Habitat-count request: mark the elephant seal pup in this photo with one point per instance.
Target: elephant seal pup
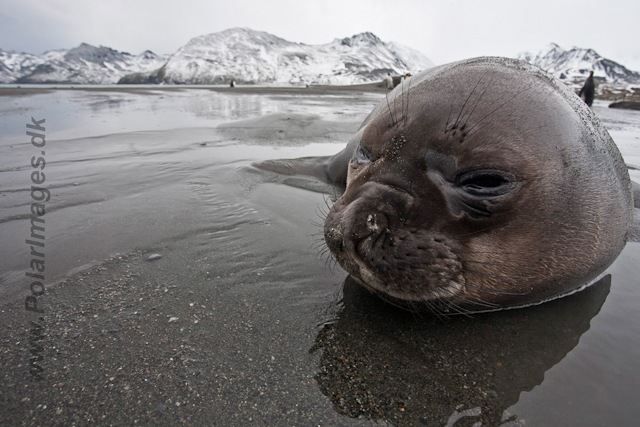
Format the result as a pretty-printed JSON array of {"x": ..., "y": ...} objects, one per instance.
[{"x": 476, "y": 186}]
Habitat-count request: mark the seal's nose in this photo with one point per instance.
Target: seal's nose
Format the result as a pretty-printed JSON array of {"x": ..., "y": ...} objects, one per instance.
[
  {"x": 354, "y": 228},
  {"x": 372, "y": 224}
]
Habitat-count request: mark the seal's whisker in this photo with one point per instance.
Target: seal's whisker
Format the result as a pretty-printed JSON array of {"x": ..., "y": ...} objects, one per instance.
[
  {"x": 327, "y": 264},
  {"x": 436, "y": 309},
  {"x": 479, "y": 99},
  {"x": 474, "y": 298},
  {"x": 319, "y": 246},
  {"x": 485, "y": 289},
  {"x": 321, "y": 209},
  {"x": 326, "y": 258},
  {"x": 418, "y": 290},
  {"x": 498, "y": 108},
  {"x": 496, "y": 252},
  {"x": 388, "y": 301},
  {"x": 456, "y": 308},
  {"x": 408, "y": 93},
  {"x": 401, "y": 101},
  {"x": 455, "y": 124},
  {"x": 500, "y": 264},
  {"x": 432, "y": 305},
  {"x": 322, "y": 256},
  {"x": 466, "y": 297},
  {"x": 481, "y": 273},
  {"x": 318, "y": 242},
  {"x": 315, "y": 224},
  {"x": 327, "y": 261},
  {"x": 446, "y": 125},
  {"x": 471, "y": 134},
  {"x": 390, "y": 112},
  {"x": 326, "y": 199},
  {"x": 335, "y": 264},
  {"x": 478, "y": 301}
]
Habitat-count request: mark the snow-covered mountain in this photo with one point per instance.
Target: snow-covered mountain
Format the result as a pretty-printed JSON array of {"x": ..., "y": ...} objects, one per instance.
[
  {"x": 573, "y": 66},
  {"x": 239, "y": 54},
  {"x": 251, "y": 57},
  {"x": 81, "y": 65},
  {"x": 13, "y": 65}
]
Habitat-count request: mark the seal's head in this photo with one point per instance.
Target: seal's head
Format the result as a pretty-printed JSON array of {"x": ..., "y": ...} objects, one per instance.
[{"x": 480, "y": 185}]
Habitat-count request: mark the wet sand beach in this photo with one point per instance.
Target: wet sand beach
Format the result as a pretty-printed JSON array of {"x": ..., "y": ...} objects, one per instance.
[{"x": 241, "y": 320}]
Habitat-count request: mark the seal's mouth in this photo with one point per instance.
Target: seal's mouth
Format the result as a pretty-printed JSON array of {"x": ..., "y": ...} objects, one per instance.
[{"x": 388, "y": 254}]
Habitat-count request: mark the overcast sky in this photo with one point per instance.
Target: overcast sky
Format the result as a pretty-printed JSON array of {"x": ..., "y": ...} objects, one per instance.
[{"x": 443, "y": 30}]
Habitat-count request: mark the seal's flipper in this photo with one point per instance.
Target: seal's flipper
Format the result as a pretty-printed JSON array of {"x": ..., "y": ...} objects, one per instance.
[
  {"x": 311, "y": 166},
  {"x": 329, "y": 169}
]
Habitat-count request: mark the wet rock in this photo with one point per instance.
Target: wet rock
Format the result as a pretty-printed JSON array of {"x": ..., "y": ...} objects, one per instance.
[
  {"x": 154, "y": 257},
  {"x": 627, "y": 105}
]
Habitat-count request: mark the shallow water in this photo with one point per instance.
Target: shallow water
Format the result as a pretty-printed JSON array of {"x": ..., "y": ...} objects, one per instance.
[{"x": 279, "y": 339}]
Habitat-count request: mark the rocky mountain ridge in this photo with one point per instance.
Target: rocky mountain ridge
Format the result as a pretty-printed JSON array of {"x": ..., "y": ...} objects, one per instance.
[
  {"x": 84, "y": 64},
  {"x": 573, "y": 66},
  {"x": 240, "y": 54},
  {"x": 256, "y": 57}
]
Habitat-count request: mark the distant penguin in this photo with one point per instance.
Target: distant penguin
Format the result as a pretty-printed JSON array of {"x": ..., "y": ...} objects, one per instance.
[
  {"x": 389, "y": 81},
  {"x": 588, "y": 90},
  {"x": 233, "y": 83}
]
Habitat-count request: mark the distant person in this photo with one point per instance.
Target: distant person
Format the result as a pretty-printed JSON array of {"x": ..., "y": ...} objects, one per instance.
[
  {"x": 389, "y": 81},
  {"x": 588, "y": 91},
  {"x": 233, "y": 83}
]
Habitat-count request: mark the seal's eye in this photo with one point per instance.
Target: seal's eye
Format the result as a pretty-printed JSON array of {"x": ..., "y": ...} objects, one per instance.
[
  {"x": 362, "y": 155},
  {"x": 486, "y": 183}
]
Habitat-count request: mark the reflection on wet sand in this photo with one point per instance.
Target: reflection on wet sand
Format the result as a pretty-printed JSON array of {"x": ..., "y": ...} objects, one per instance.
[{"x": 413, "y": 369}]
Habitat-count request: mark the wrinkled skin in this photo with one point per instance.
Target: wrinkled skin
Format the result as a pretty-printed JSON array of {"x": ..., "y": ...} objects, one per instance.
[{"x": 476, "y": 186}]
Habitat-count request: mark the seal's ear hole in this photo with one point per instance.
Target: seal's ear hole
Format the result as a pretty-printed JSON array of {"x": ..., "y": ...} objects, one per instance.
[{"x": 486, "y": 183}]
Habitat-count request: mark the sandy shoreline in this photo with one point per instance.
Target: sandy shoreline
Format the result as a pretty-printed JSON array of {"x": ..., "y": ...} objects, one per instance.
[
  {"x": 241, "y": 322},
  {"x": 25, "y": 90}
]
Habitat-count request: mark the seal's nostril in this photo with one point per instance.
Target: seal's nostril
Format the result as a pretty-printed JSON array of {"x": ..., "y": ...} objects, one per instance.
[{"x": 372, "y": 222}]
